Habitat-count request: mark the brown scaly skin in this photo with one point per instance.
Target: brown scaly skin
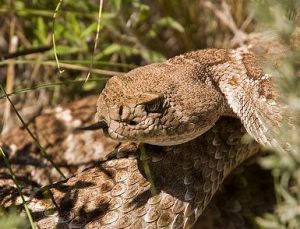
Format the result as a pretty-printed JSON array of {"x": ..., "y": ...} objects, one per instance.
[
  {"x": 176, "y": 101},
  {"x": 233, "y": 207},
  {"x": 161, "y": 110},
  {"x": 117, "y": 193},
  {"x": 154, "y": 104},
  {"x": 240, "y": 199}
]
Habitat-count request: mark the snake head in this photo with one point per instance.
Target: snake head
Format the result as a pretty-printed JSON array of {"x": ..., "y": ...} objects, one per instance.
[{"x": 149, "y": 105}]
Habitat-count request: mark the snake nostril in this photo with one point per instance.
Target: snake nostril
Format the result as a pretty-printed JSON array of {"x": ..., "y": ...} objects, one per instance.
[
  {"x": 131, "y": 122},
  {"x": 121, "y": 110}
]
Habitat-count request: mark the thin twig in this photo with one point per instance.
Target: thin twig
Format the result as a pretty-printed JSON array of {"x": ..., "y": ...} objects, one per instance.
[
  {"x": 24, "y": 52},
  {"x": 10, "y": 75},
  {"x": 224, "y": 15}
]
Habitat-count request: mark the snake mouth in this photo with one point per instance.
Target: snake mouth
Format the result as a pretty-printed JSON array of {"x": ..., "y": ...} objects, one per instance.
[
  {"x": 102, "y": 124},
  {"x": 96, "y": 126}
]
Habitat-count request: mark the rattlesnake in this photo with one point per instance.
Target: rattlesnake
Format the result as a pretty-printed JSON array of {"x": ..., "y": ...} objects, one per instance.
[{"x": 176, "y": 108}]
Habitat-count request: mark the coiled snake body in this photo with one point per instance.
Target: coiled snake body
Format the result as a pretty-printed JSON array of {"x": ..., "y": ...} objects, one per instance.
[{"x": 178, "y": 108}]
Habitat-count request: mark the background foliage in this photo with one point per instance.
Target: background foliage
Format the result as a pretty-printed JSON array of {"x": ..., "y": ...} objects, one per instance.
[{"x": 138, "y": 32}]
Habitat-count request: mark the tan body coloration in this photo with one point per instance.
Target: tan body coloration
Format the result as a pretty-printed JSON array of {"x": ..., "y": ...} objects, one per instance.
[
  {"x": 119, "y": 194},
  {"x": 99, "y": 197},
  {"x": 176, "y": 101},
  {"x": 176, "y": 105}
]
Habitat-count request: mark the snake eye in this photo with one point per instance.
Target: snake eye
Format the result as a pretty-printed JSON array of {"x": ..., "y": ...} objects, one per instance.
[{"x": 154, "y": 106}]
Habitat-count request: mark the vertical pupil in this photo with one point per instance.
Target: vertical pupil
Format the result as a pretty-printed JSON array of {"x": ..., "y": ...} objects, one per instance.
[{"x": 153, "y": 106}]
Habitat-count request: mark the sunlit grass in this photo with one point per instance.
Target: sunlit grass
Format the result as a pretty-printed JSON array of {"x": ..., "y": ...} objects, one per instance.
[
  {"x": 96, "y": 39},
  {"x": 53, "y": 35}
]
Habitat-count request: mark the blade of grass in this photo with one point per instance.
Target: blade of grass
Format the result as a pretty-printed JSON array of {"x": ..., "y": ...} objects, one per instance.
[
  {"x": 49, "y": 85},
  {"x": 35, "y": 140},
  {"x": 53, "y": 35},
  {"x": 96, "y": 39},
  {"x": 146, "y": 167},
  {"x": 102, "y": 63},
  {"x": 13, "y": 176},
  {"x": 43, "y": 12},
  {"x": 65, "y": 65}
]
